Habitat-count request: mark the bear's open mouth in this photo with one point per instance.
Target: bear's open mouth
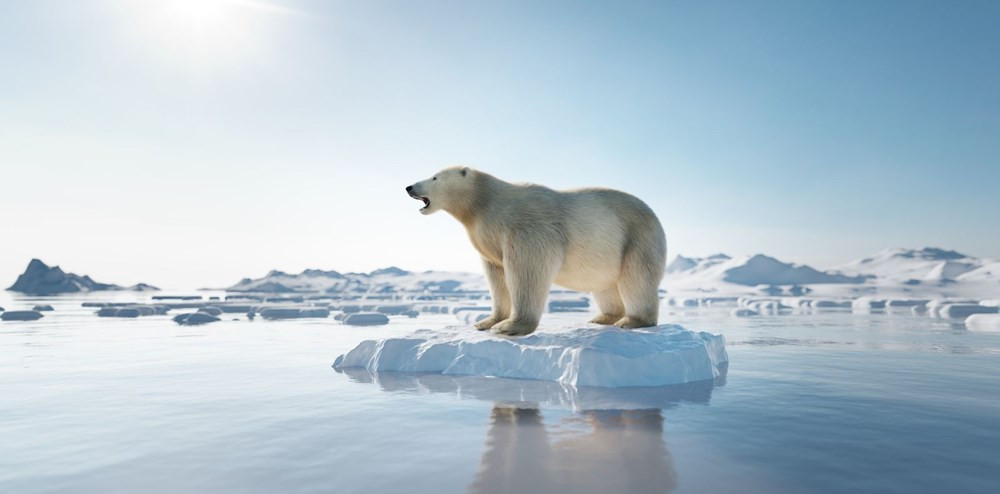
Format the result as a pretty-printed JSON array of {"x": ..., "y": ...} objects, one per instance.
[{"x": 427, "y": 202}]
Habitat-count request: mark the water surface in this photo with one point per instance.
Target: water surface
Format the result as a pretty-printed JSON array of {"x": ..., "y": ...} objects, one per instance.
[{"x": 831, "y": 402}]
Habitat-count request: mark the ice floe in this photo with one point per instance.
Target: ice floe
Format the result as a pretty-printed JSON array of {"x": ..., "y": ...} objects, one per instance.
[
  {"x": 983, "y": 322},
  {"x": 577, "y": 356},
  {"x": 366, "y": 319},
  {"x": 195, "y": 319},
  {"x": 961, "y": 311},
  {"x": 21, "y": 315}
]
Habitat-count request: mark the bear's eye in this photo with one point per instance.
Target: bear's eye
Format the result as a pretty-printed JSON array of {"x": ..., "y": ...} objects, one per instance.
[{"x": 435, "y": 178}]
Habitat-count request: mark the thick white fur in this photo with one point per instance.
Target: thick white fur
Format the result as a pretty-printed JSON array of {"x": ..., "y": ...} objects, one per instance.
[{"x": 597, "y": 240}]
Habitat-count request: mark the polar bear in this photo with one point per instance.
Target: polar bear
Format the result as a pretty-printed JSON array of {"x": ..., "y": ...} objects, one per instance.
[{"x": 596, "y": 240}]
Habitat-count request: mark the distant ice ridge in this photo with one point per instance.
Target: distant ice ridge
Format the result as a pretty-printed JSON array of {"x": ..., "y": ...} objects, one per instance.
[
  {"x": 386, "y": 280},
  {"x": 897, "y": 273},
  {"x": 576, "y": 356}
]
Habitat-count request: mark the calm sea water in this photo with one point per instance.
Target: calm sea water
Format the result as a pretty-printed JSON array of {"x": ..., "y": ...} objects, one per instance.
[{"x": 832, "y": 402}]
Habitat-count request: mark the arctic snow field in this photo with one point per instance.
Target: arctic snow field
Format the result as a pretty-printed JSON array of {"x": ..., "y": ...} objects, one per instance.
[{"x": 763, "y": 376}]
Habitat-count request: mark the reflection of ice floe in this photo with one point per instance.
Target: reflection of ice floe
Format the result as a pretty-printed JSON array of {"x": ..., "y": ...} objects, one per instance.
[
  {"x": 543, "y": 394},
  {"x": 587, "y": 356}
]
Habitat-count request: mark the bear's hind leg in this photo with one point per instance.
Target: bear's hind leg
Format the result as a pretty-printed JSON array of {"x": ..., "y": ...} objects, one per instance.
[
  {"x": 609, "y": 302},
  {"x": 500, "y": 295},
  {"x": 642, "y": 270},
  {"x": 641, "y": 307}
]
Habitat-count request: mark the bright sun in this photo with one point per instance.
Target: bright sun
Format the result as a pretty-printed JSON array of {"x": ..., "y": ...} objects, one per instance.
[
  {"x": 204, "y": 32},
  {"x": 196, "y": 13}
]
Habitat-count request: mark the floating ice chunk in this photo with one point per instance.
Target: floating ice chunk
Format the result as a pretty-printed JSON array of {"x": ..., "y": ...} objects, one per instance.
[
  {"x": 211, "y": 310},
  {"x": 744, "y": 313},
  {"x": 770, "y": 307},
  {"x": 293, "y": 312},
  {"x": 903, "y": 302},
  {"x": 587, "y": 356},
  {"x": 317, "y": 312},
  {"x": 128, "y": 312},
  {"x": 366, "y": 319},
  {"x": 132, "y": 311},
  {"x": 961, "y": 311},
  {"x": 195, "y": 319},
  {"x": 43, "y": 308},
  {"x": 866, "y": 304},
  {"x": 983, "y": 322},
  {"x": 21, "y": 315},
  {"x": 830, "y": 304},
  {"x": 935, "y": 307},
  {"x": 392, "y": 310}
]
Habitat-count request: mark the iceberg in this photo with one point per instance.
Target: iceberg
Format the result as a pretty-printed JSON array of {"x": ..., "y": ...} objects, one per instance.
[{"x": 597, "y": 356}]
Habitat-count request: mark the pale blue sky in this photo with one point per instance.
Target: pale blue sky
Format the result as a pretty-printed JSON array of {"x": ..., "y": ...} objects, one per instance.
[{"x": 194, "y": 142}]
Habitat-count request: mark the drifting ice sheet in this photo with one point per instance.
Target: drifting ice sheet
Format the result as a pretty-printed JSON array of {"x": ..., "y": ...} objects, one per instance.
[{"x": 588, "y": 356}]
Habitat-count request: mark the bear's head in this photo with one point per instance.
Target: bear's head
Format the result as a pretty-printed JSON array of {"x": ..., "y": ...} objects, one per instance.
[{"x": 448, "y": 189}]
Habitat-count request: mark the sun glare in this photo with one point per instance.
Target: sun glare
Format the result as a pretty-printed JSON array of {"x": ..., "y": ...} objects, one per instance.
[
  {"x": 200, "y": 14},
  {"x": 204, "y": 32}
]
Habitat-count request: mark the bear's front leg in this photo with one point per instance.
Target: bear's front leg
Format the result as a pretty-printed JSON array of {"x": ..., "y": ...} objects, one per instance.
[
  {"x": 609, "y": 302},
  {"x": 499, "y": 293},
  {"x": 529, "y": 269}
]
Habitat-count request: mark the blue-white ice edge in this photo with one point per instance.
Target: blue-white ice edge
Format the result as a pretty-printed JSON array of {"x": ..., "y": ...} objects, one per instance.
[{"x": 594, "y": 355}]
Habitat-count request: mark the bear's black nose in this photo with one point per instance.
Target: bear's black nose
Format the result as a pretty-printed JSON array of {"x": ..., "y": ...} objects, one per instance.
[{"x": 409, "y": 188}]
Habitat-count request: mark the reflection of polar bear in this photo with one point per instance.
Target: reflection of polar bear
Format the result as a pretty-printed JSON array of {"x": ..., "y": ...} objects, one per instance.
[
  {"x": 597, "y": 240},
  {"x": 591, "y": 451}
]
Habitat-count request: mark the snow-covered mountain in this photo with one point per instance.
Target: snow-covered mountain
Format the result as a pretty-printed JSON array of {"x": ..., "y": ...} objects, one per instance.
[
  {"x": 689, "y": 265},
  {"x": 987, "y": 271},
  {"x": 929, "y": 271},
  {"x": 40, "y": 279},
  {"x": 915, "y": 265},
  {"x": 386, "y": 280},
  {"x": 752, "y": 271}
]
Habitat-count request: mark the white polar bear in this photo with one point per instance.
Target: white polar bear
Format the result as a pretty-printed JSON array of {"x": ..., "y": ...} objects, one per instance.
[{"x": 596, "y": 240}]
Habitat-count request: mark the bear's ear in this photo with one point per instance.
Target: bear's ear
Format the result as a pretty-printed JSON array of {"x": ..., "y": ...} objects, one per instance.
[{"x": 465, "y": 171}]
